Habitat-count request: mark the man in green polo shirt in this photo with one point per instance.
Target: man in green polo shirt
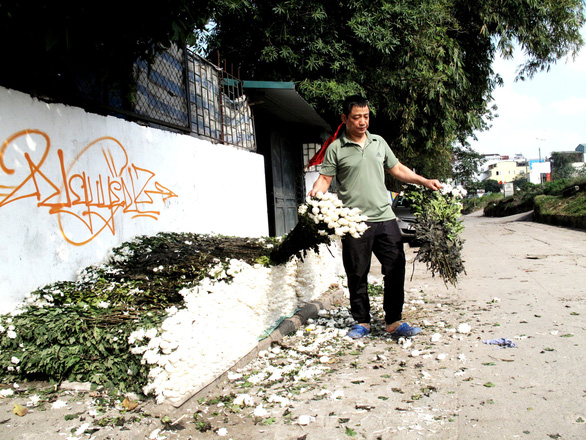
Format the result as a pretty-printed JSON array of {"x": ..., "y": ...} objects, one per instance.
[{"x": 359, "y": 160}]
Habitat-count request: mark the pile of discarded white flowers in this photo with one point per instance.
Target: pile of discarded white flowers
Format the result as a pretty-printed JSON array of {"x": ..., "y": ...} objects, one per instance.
[{"x": 207, "y": 336}]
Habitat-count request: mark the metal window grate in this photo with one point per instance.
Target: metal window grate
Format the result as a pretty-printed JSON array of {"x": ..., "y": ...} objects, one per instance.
[
  {"x": 182, "y": 91},
  {"x": 219, "y": 107},
  {"x": 309, "y": 151},
  {"x": 161, "y": 90}
]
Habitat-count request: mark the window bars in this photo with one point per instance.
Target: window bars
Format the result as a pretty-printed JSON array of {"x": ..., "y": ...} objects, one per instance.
[{"x": 183, "y": 91}]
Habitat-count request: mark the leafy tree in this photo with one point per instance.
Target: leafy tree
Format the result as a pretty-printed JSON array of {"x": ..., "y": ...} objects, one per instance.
[
  {"x": 466, "y": 165},
  {"x": 425, "y": 65},
  {"x": 50, "y": 46},
  {"x": 491, "y": 186},
  {"x": 561, "y": 164}
]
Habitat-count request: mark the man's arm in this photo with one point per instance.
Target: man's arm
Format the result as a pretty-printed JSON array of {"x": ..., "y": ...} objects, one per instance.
[
  {"x": 406, "y": 175},
  {"x": 320, "y": 185}
]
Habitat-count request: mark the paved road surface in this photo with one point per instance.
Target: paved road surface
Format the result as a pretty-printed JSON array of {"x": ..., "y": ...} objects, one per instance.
[{"x": 539, "y": 274}]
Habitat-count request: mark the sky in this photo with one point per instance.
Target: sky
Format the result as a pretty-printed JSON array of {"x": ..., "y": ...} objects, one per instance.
[{"x": 539, "y": 115}]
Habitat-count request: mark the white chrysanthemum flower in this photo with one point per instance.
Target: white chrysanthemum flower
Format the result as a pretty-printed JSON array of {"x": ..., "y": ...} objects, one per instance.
[
  {"x": 244, "y": 400},
  {"x": 234, "y": 376},
  {"x": 82, "y": 429},
  {"x": 256, "y": 378},
  {"x": 464, "y": 328},
  {"x": 305, "y": 419},
  {"x": 59, "y": 404},
  {"x": 7, "y": 392},
  {"x": 259, "y": 411},
  {"x": 338, "y": 394},
  {"x": 282, "y": 401},
  {"x": 33, "y": 401}
]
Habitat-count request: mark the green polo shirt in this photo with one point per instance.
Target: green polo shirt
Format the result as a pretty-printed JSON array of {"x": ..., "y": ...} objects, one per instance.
[{"x": 360, "y": 174}]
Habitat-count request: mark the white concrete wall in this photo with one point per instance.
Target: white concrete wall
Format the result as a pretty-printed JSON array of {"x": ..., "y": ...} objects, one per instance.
[{"x": 74, "y": 184}]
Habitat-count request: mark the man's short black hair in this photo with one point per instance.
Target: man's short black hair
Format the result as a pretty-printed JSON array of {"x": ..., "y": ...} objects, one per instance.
[{"x": 353, "y": 101}]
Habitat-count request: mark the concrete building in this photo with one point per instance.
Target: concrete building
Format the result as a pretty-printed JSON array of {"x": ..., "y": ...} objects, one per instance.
[{"x": 505, "y": 170}]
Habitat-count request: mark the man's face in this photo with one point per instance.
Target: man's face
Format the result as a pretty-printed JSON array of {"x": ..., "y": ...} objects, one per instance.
[{"x": 357, "y": 121}]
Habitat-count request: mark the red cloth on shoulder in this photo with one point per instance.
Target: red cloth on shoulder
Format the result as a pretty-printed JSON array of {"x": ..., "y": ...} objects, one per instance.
[{"x": 318, "y": 158}]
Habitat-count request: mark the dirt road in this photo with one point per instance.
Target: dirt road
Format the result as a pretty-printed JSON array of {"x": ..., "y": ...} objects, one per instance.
[{"x": 525, "y": 285}]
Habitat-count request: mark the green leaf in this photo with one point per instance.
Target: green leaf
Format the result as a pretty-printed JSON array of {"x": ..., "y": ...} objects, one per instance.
[{"x": 350, "y": 432}]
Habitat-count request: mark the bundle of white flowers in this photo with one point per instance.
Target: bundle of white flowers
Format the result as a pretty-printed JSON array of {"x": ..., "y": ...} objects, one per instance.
[
  {"x": 332, "y": 217},
  {"x": 322, "y": 218}
]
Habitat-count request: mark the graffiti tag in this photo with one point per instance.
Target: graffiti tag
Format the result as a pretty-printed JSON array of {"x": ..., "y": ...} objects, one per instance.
[{"x": 85, "y": 202}]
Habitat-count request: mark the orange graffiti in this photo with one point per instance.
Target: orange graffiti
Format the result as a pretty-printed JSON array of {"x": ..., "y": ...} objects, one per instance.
[{"x": 85, "y": 204}]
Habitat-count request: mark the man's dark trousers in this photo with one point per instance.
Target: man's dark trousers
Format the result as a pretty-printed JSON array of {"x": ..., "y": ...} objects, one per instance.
[{"x": 384, "y": 240}]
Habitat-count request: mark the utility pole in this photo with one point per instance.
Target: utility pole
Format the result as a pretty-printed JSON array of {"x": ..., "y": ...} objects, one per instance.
[{"x": 539, "y": 148}]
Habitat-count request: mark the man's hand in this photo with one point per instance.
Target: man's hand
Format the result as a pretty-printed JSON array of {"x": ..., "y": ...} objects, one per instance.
[
  {"x": 406, "y": 175},
  {"x": 433, "y": 184},
  {"x": 321, "y": 185}
]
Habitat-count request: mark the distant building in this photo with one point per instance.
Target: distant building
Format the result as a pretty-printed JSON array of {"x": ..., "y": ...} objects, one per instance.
[
  {"x": 539, "y": 171},
  {"x": 504, "y": 170},
  {"x": 507, "y": 171}
]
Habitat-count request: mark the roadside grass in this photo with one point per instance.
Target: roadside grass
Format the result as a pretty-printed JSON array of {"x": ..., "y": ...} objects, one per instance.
[
  {"x": 559, "y": 205},
  {"x": 558, "y": 198}
]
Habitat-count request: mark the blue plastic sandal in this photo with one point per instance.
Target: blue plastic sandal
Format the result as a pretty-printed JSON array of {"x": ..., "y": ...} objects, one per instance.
[
  {"x": 358, "y": 331},
  {"x": 406, "y": 330}
]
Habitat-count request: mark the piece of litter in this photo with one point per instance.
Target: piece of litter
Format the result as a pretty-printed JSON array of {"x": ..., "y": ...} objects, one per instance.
[{"x": 501, "y": 342}]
